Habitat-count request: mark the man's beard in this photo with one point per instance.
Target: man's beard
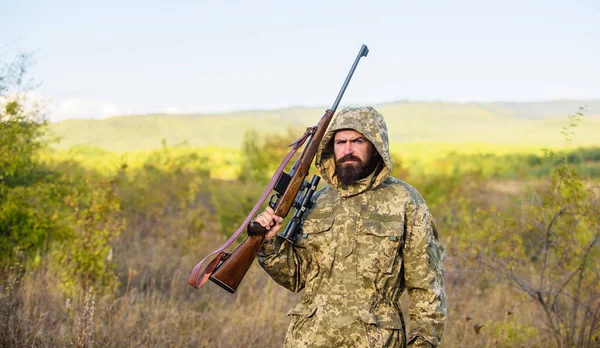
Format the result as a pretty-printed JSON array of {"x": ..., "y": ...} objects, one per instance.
[{"x": 350, "y": 173}]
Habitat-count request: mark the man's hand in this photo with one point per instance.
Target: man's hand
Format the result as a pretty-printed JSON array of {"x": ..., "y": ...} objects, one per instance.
[{"x": 270, "y": 221}]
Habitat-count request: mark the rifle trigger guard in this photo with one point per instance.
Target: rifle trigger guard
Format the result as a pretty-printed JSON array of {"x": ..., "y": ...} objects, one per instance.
[{"x": 273, "y": 200}]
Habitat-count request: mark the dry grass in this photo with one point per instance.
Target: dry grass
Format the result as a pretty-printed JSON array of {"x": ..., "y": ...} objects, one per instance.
[
  {"x": 154, "y": 306},
  {"x": 254, "y": 317},
  {"x": 34, "y": 314}
]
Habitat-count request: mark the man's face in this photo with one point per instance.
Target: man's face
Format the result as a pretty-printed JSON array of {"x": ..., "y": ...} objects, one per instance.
[{"x": 354, "y": 155}]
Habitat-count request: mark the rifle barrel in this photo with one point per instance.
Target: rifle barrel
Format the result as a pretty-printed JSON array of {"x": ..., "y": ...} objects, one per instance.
[{"x": 364, "y": 50}]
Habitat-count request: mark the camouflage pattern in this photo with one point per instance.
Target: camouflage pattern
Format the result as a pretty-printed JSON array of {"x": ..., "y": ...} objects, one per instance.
[{"x": 361, "y": 246}]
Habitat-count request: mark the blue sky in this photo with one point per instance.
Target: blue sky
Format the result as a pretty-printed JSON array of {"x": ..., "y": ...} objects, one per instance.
[{"x": 112, "y": 58}]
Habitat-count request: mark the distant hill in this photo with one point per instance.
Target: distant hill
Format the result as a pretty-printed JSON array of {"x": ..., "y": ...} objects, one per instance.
[{"x": 535, "y": 123}]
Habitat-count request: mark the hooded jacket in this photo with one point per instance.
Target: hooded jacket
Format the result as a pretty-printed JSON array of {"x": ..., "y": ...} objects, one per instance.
[{"x": 360, "y": 248}]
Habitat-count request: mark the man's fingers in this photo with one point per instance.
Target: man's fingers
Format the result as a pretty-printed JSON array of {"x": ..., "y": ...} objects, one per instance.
[
  {"x": 271, "y": 212},
  {"x": 268, "y": 219},
  {"x": 263, "y": 221}
]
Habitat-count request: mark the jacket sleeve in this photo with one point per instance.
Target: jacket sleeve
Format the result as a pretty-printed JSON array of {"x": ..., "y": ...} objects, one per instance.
[
  {"x": 424, "y": 275},
  {"x": 284, "y": 262}
]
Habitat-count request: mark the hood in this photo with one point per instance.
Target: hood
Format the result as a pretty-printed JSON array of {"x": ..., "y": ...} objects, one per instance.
[{"x": 371, "y": 124}]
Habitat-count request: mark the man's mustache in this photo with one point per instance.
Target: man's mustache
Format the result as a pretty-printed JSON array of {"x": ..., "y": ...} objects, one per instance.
[{"x": 349, "y": 157}]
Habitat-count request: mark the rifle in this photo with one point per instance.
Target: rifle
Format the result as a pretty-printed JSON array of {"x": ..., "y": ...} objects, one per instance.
[{"x": 291, "y": 190}]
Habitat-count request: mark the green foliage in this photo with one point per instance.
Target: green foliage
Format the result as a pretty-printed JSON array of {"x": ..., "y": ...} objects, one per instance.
[
  {"x": 165, "y": 178},
  {"x": 511, "y": 333},
  {"x": 26, "y": 187},
  {"x": 548, "y": 251},
  {"x": 232, "y": 202},
  {"x": 21, "y": 131},
  {"x": 399, "y": 170},
  {"x": 50, "y": 208},
  {"x": 261, "y": 158},
  {"x": 94, "y": 220},
  {"x": 30, "y": 218},
  {"x": 255, "y": 163},
  {"x": 21, "y": 137},
  {"x": 522, "y": 166}
]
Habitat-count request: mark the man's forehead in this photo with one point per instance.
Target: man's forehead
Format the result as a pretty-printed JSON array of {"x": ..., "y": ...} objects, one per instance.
[{"x": 347, "y": 134}]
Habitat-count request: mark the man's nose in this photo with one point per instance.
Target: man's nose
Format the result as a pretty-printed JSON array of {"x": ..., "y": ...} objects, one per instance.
[{"x": 348, "y": 149}]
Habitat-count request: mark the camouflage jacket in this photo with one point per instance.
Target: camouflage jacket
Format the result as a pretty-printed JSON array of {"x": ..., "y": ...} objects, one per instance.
[{"x": 361, "y": 246}]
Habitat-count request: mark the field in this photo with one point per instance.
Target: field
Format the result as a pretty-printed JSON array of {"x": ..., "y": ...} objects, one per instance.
[
  {"x": 100, "y": 230},
  {"x": 517, "y": 125}
]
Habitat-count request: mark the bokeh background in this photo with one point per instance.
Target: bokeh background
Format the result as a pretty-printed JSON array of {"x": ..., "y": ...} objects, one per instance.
[{"x": 136, "y": 137}]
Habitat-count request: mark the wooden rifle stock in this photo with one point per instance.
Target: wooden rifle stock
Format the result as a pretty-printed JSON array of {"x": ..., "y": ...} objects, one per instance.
[
  {"x": 228, "y": 269},
  {"x": 230, "y": 273}
]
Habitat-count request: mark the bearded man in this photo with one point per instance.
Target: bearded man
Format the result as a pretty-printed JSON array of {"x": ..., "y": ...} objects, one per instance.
[{"x": 367, "y": 239}]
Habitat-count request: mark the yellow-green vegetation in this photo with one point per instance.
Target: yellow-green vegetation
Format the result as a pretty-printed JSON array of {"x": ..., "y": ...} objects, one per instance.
[
  {"x": 96, "y": 245},
  {"x": 516, "y": 124},
  {"x": 546, "y": 248}
]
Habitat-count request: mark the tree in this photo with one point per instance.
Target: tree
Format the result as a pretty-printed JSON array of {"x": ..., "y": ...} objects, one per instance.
[
  {"x": 24, "y": 220},
  {"x": 50, "y": 207},
  {"x": 550, "y": 253},
  {"x": 261, "y": 158},
  {"x": 22, "y": 126}
]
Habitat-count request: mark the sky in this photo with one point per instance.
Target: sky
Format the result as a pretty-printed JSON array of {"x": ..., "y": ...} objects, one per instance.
[{"x": 107, "y": 58}]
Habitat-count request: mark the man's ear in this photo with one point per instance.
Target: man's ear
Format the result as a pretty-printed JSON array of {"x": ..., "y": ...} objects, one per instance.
[{"x": 329, "y": 147}]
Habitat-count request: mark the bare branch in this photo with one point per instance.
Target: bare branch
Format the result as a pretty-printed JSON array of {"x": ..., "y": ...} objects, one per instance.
[{"x": 547, "y": 244}]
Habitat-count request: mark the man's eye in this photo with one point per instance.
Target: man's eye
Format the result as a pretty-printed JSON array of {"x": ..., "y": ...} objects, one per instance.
[{"x": 358, "y": 141}]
